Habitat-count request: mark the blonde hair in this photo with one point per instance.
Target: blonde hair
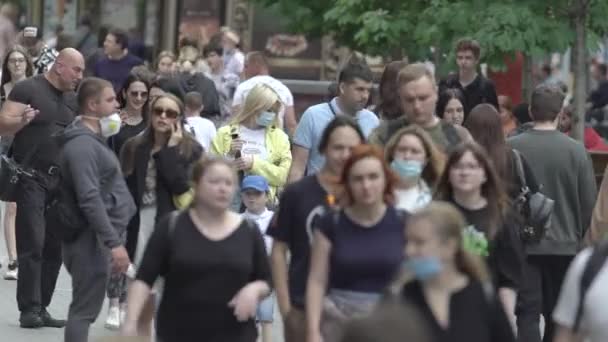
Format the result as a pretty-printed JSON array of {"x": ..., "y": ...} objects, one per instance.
[
  {"x": 436, "y": 159},
  {"x": 414, "y": 72},
  {"x": 260, "y": 98},
  {"x": 448, "y": 223}
]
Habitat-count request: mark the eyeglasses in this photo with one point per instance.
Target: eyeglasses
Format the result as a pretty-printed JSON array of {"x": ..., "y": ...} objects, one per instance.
[
  {"x": 142, "y": 94},
  {"x": 170, "y": 113},
  {"x": 16, "y": 60}
]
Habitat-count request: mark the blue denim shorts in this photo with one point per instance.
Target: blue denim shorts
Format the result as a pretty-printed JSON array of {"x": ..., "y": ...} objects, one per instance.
[{"x": 265, "y": 311}]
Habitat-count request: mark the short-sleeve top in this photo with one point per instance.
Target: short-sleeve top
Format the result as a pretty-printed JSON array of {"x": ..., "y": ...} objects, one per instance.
[
  {"x": 57, "y": 110},
  {"x": 312, "y": 124},
  {"x": 364, "y": 259},
  {"x": 201, "y": 278}
]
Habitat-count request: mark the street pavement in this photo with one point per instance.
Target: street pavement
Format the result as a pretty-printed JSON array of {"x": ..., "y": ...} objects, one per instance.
[{"x": 9, "y": 315}]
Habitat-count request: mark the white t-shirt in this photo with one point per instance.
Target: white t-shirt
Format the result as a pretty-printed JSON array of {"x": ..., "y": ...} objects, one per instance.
[
  {"x": 594, "y": 321},
  {"x": 414, "y": 199},
  {"x": 284, "y": 93},
  {"x": 254, "y": 142},
  {"x": 204, "y": 130},
  {"x": 263, "y": 220}
]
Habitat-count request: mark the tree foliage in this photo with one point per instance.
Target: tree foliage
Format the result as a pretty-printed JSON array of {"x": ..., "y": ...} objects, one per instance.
[{"x": 386, "y": 27}]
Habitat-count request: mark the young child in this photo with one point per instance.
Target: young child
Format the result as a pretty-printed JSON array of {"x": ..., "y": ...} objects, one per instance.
[
  {"x": 254, "y": 195},
  {"x": 201, "y": 128}
]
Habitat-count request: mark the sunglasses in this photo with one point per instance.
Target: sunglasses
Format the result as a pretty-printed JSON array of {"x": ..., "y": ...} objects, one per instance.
[
  {"x": 142, "y": 94},
  {"x": 170, "y": 113}
]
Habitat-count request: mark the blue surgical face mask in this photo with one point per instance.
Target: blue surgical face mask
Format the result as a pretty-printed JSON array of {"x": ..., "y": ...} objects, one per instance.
[
  {"x": 407, "y": 169},
  {"x": 423, "y": 268},
  {"x": 266, "y": 118}
]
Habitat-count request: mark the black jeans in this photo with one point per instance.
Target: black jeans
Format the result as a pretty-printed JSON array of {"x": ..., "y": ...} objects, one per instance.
[
  {"x": 542, "y": 281},
  {"x": 38, "y": 249}
]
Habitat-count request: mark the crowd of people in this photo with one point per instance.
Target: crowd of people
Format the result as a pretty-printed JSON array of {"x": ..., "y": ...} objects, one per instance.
[{"x": 194, "y": 199}]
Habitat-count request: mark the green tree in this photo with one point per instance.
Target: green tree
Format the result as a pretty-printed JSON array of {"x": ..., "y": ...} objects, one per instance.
[{"x": 392, "y": 28}]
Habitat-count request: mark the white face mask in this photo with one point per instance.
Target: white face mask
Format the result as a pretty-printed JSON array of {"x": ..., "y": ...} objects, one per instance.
[{"x": 110, "y": 125}]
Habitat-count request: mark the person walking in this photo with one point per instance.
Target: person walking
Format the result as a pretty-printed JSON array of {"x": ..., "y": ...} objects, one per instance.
[
  {"x": 564, "y": 169},
  {"x": 472, "y": 184},
  {"x": 257, "y": 71},
  {"x": 214, "y": 263},
  {"x": 418, "y": 94},
  {"x": 254, "y": 140},
  {"x": 419, "y": 164},
  {"x": 254, "y": 192},
  {"x": 118, "y": 62},
  {"x": 156, "y": 164},
  {"x": 450, "y": 106},
  {"x": 134, "y": 102},
  {"x": 301, "y": 205},
  {"x": 134, "y": 114},
  {"x": 476, "y": 88},
  {"x": 16, "y": 66},
  {"x": 450, "y": 286},
  {"x": 354, "y": 84},
  {"x": 343, "y": 283},
  {"x": 92, "y": 171},
  {"x": 35, "y": 109}
]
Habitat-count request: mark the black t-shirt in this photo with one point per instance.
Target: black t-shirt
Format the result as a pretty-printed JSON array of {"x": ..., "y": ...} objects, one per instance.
[
  {"x": 474, "y": 315},
  {"x": 301, "y": 205},
  {"x": 363, "y": 259},
  {"x": 201, "y": 278},
  {"x": 481, "y": 90},
  {"x": 126, "y": 132},
  {"x": 506, "y": 255},
  {"x": 57, "y": 110}
]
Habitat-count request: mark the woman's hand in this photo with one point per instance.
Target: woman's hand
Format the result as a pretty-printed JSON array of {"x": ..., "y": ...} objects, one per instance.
[
  {"x": 246, "y": 302},
  {"x": 236, "y": 145},
  {"x": 176, "y": 135},
  {"x": 244, "y": 163}
]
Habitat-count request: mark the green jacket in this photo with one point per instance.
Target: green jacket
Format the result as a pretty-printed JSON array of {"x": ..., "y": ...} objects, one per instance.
[{"x": 275, "y": 169}]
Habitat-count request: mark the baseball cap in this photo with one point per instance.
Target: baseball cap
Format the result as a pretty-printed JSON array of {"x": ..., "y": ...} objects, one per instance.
[{"x": 258, "y": 183}]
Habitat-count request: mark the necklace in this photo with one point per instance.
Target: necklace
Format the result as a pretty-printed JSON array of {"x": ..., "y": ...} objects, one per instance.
[{"x": 132, "y": 120}]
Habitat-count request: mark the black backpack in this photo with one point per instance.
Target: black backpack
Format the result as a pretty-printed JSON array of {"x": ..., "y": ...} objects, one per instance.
[
  {"x": 62, "y": 207},
  {"x": 592, "y": 268}
]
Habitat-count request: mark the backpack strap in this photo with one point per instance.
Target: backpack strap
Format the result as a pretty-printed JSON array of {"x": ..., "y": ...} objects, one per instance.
[
  {"x": 451, "y": 134},
  {"x": 519, "y": 171},
  {"x": 592, "y": 267},
  {"x": 333, "y": 111}
]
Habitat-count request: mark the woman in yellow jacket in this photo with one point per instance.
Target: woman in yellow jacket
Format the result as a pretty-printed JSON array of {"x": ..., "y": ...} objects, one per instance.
[{"x": 254, "y": 140}]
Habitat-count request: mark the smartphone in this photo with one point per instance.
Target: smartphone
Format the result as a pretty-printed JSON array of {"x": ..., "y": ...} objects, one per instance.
[{"x": 235, "y": 135}]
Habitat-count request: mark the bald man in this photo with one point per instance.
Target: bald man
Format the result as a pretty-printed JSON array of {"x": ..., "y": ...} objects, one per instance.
[{"x": 36, "y": 109}]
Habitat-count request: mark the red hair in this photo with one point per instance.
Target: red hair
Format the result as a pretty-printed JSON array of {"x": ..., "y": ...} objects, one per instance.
[{"x": 362, "y": 152}]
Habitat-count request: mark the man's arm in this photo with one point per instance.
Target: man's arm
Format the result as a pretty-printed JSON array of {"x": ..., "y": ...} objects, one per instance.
[
  {"x": 302, "y": 142},
  {"x": 14, "y": 116},
  {"x": 290, "y": 121},
  {"x": 587, "y": 191},
  {"x": 298, "y": 163},
  {"x": 278, "y": 259}
]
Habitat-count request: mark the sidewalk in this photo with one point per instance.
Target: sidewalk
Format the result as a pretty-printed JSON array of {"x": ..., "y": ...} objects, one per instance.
[{"x": 9, "y": 315}]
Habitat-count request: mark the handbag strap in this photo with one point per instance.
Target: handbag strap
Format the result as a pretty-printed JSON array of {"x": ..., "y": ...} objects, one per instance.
[{"x": 519, "y": 169}]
